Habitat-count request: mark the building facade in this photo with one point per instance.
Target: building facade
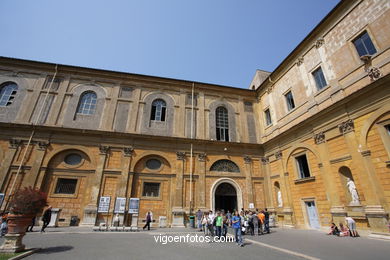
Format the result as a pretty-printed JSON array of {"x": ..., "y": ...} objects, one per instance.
[{"x": 309, "y": 141}]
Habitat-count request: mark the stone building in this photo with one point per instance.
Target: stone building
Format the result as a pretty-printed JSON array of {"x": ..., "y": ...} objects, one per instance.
[{"x": 310, "y": 141}]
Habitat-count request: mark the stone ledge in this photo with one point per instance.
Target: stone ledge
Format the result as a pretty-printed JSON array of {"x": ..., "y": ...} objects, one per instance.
[
  {"x": 308, "y": 179},
  {"x": 385, "y": 236}
]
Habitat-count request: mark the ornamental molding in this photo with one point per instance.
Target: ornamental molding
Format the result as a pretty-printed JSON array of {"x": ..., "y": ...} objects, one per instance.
[
  {"x": 15, "y": 143},
  {"x": 346, "y": 127},
  {"x": 202, "y": 157},
  {"x": 374, "y": 73},
  {"x": 319, "y": 138},
  {"x": 42, "y": 145},
  {"x": 366, "y": 153},
  {"x": 300, "y": 61},
  {"x": 103, "y": 149},
  {"x": 180, "y": 156},
  {"x": 264, "y": 160},
  {"x": 319, "y": 42},
  {"x": 247, "y": 159},
  {"x": 128, "y": 151},
  {"x": 278, "y": 155}
]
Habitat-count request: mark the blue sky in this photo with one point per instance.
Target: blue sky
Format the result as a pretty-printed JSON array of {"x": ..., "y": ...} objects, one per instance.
[{"x": 213, "y": 41}]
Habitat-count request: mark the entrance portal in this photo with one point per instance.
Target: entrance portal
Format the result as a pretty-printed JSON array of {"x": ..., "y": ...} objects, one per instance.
[{"x": 226, "y": 197}]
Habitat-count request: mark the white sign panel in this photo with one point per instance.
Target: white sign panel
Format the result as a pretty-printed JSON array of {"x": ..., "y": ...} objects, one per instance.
[
  {"x": 104, "y": 204},
  {"x": 133, "y": 205},
  {"x": 251, "y": 205},
  {"x": 120, "y": 205}
]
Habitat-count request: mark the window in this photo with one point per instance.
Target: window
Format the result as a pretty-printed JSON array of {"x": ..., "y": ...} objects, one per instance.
[
  {"x": 151, "y": 189},
  {"x": 289, "y": 101},
  {"x": 189, "y": 100},
  {"x": 73, "y": 159},
  {"x": 319, "y": 78},
  {"x": 224, "y": 166},
  {"x": 248, "y": 107},
  {"x": 7, "y": 94},
  {"x": 159, "y": 108},
  {"x": 388, "y": 128},
  {"x": 268, "y": 119},
  {"x": 87, "y": 105},
  {"x": 54, "y": 86},
  {"x": 65, "y": 186},
  {"x": 125, "y": 92},
  {"x": 222, "y": 124},
  {"x": 153, "y": 164},
  {"x": 364, "y": 45},
  {"x": 303, "y": 166}
]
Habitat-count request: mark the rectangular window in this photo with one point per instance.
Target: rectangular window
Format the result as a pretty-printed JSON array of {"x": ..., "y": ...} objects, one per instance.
[
  {"x": 151, "y": 189},
  {"x": 268, "y": 119},
  {"x": 55, "y": 85},
  {"x": 248, "y": 106},
  {"x": 189, "y": 100},
  {"x": 319, "y": 78},
  {"x": 125, "y": 92},
  {"x": 289, "y": 101},
  {"x": 303, "y": 166},
  {"x": 364, "y": 45},
  {"x": 65, "y": 186}
]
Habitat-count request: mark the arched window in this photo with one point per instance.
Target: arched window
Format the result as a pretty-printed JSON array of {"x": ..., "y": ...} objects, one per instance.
[
  {"x": 7, "y": 93},
  {"x": 222, "y": 124},
  {"x": 224, "y": 166},
  {"x": 159, "y": 108},
  {"x": 87, "y": 104}
]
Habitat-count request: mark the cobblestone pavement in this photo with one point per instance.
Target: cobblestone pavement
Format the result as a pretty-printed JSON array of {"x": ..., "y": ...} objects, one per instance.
[{"x": 83, "y": 243}]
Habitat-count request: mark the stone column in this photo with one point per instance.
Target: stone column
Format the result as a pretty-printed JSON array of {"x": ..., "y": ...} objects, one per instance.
[
  {"x": 267, "y": 184},
  {"x": 337, "y": 209},
  {"x": 177, "y": 210},
  {"x": 373, "y": 192},
  {"x": 14, "y": 144},
  {"x": 286, "y": 195},
  {"x": 124, "y": 179},
  {"x": 90, "y": 211},
  {"x": 248, "y": 179},
  {"x": 202, "y": 181},
  {"x": 31, "y": 178}
]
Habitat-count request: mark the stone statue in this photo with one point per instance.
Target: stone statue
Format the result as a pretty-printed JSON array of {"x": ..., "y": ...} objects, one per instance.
[
  {"x": 352, "y": 190},
  {"x": 280, "y": 201}
]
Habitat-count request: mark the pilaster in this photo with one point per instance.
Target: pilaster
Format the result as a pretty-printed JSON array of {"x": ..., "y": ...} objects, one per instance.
[{"x": 14, "y": 145}]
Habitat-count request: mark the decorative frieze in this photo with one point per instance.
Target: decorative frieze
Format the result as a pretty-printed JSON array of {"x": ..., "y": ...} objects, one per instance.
[
  {"x": 202, "y": 157},
  {"x": 128, "y": 151},
  {"x": 103, "y": 149},
  {"x": 247, "y": 159},
  {"x": 14, "y": 143},
  {"x": 42, "y": 145},
  {"x": 278, "y": 155},
  {"x": 181, "y": 155},
  {"x": 264, "y": 160},
  {"x": 346, "y": 127},
  {"x": 319, "y": 138},
  {"x": 319, "y": 42}
]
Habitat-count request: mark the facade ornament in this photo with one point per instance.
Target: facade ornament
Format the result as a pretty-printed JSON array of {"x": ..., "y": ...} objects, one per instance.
[
  {"x": 128, "y": 151},
  {"x": 42, "y": 145},
  {"x": 352, "y": 190},
  {"x": 300, "y": 61},
  {"x": 278, "y": 155},
  {"x": 14, "y": 143},
  {"x": 374, "y": 73},
  {"x": 181, "y": 155},
  {"x": 366, "y": 153},
  {"x": 269, "y": 89},
  {"x": 202, "y": 157},
  {"x": 103, "y": 149},
  {"x": 319, "y": 42},
  {"x": 264, "y": 160},
  {"x": 247, "y": 159},
  {"x": 346, "y": 127},
  {"x": 280, "y": 200},
  {"x": 319, "y": 138},
  {"x": 320, "y": 165}
]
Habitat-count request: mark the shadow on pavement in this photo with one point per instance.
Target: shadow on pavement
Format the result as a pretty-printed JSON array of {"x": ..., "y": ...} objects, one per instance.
[{"x": 54, "y": 249}]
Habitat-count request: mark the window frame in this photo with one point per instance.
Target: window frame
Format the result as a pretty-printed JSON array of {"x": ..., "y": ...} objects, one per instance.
[
  {"x": 8, "y": 96},
  {"x": 158, "y": 113},
  {"x": 60, "y": 195},
  {"x": 81, "y": 107},
  {"x": 222, "y": 124},
  {"x": 267, "y": 117},
  {"x": 287, "y": 100},
  {"x": 154, "y": 170},
  {"x": 297, "y": 167},
  {"x": 317, "y": 69},
  {"x": 150, "y": 197},
  {"x": 358, "y": 37}
]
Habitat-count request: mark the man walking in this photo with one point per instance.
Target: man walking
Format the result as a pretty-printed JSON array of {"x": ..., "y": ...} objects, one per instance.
[
  {"x": 46, "y": 218},
  {"x": 148, "y": 219},
  {"x": 236, "y": 224}
]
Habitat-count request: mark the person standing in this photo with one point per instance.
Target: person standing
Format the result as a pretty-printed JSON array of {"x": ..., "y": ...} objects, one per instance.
[
  {"x": 148, "y": 219},
  {"x": 199, "y": 215},
  {"x": 229, "y": 217},
  {"x": 255, "y": 220},
  {"x": 261, "y": 217},
  {"x": 46, "y": 218},
  {"x": 218, "y": 224},
  {"x": 352, "y": 226},
  {"x": 266, "y": 221},
  {"x": 236, "y": 224}
]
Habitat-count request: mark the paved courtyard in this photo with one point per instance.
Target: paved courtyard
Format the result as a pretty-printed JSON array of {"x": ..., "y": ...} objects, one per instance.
[{"x": 82, "y": 243}]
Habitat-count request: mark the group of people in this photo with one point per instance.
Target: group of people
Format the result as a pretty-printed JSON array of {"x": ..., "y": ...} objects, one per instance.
[
  {"x": 253, "y": 222},
  {"x": 344, "y": 230},
  {"x": 46, "y": 217}
]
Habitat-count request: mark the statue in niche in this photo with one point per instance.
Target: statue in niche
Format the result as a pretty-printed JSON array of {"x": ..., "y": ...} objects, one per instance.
[
  {"x": 280, "y": 201},
  {"x": 352, "y": 190}
]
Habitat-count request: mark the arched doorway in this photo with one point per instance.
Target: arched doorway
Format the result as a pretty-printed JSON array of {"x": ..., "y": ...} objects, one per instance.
[{"x": 226, "y": 197}]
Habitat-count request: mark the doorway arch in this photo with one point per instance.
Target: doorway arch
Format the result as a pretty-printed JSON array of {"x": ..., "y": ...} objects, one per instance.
[{"x": 228, "y": 190}]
